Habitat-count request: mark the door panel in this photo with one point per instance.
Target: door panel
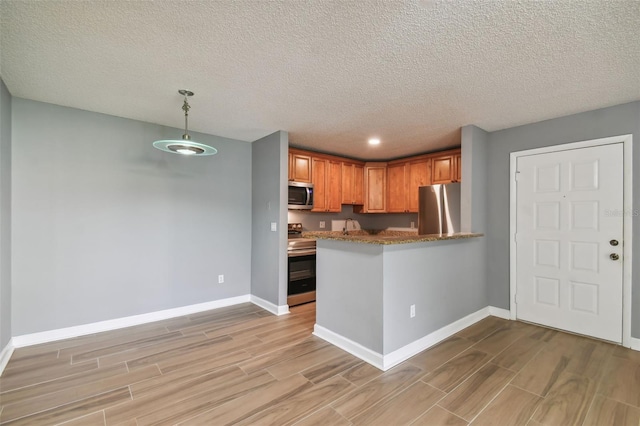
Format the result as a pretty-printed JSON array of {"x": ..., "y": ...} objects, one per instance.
[{"x": 565, "y": 276}]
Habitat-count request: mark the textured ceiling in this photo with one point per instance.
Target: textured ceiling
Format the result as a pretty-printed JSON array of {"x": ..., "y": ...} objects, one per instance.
[{"x": 332, "y": 74}]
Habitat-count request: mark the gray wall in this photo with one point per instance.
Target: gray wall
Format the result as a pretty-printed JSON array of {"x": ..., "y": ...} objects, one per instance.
[
  {"x": 612, "y": 121},
  {"x": 443, "y": 279},
  {"x": 365, "y": 291},
  {"x": 311, "y": 220},
  {"x": 269, "y": 200},
  {"x": 474, "y": 179},
  {"x": 105, "y": 226},
  {"x": 349, "y": 291},
  {"x": 5, "y": 215}
]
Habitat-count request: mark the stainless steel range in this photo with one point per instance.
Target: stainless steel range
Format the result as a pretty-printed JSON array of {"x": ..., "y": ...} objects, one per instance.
[{"x": 301, "y": 253}]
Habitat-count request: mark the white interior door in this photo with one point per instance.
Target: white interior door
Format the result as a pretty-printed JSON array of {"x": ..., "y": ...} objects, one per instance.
[{"x": 569, "y": 218}]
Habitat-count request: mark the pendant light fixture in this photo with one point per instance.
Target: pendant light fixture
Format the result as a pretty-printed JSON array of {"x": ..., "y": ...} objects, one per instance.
[{"x": 185, "y": 146}]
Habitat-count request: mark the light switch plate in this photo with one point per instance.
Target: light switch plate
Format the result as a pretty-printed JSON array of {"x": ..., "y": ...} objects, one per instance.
[
  {"x": 322, "y": 224},
  {"x": 274, "y": 226}
]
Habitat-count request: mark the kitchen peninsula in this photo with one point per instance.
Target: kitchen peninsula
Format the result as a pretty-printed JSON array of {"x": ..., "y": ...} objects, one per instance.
[{"x": 386, "y": 297}]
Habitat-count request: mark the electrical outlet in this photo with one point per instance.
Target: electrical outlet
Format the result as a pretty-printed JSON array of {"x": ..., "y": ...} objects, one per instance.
[
  {"x": 322, "y": 224},
  {"x": 274, "y": 226},
  {"x": 413, "y": 225},
  {"x": 412, "y": 311},
  {"x": 220, "y": 279}
]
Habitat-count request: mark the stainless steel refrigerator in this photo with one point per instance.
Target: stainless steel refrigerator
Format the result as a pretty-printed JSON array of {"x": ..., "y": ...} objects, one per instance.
[{"x": 439, "y": 209}]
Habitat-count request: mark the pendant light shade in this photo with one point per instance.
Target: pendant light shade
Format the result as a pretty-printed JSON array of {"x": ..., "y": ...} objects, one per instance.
[{"x": 185, "y": 146}]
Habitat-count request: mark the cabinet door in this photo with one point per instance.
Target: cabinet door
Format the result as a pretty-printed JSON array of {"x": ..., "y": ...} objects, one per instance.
[
  {"x": 300, "y": 168},
  {"x": 375, "y": 189},
  {"x": 442, "y": 169},
  {"x": 396, "y": 188},
  {"x": 290, "y": 166},
  {"x": 334, "y": 186},
  {"x": 347, "y": 183},
  {"x": 358, "y": 185},
  {"x": 419, "y": 174},
  {"x": 319, "y": 187},
  {"x": 457, "y": 163}
]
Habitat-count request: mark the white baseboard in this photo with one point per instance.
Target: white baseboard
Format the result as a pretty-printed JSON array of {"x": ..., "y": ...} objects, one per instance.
[
  {"x": 273, "y": 308},
  {"x": 500, "y": 313},
  {"x": 385, "y": 362},
  {"x": 5, "y": 355},
  {"x": 97, "y": 327},
  {"x": 635, "y": 344},
  {"x": 355, "y": 349},
  {"x": 399, "y": 355}
]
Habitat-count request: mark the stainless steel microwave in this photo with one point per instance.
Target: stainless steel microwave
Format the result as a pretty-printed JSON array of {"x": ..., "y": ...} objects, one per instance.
[{"x": 300, "y": 196}]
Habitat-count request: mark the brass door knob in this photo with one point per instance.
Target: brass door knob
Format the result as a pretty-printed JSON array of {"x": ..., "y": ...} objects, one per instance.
[
  {"x": 613, "y": 242},
  {"x": 614, "y": 256}
]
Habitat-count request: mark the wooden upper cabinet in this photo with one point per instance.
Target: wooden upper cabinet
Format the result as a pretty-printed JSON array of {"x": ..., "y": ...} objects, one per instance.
[
  {"x": 327, "y": 185},
  {"x": 375, "y": 188},
  {"x": 319, "y": 168},
  {"x": 372, "y": 187},
  {"x": 334, "y": 187},
  {"x": 299, "y": 167},
  {"x": 404, "y": 179},
  {"x": 352, "y": 183},
  {"x": 444, "y": 167},
  {"x": 419, "y": 173},
  {"x": 396, "y": 188},
  {"x": 358, "y": 184}
]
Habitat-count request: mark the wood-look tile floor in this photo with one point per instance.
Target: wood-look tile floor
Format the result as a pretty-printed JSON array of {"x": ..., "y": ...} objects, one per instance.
[{"x": 242, "y": 365}]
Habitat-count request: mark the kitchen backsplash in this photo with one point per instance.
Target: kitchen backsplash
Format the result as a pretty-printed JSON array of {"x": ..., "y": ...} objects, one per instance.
[{"x": 311, "y": 221}]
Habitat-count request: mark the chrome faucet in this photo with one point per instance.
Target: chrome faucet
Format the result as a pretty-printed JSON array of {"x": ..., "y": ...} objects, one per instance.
[{"x": 346, "y": 228}]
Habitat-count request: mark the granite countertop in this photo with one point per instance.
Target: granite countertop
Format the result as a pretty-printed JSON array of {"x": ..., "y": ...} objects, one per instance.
[{"x": 385, "y": 237}]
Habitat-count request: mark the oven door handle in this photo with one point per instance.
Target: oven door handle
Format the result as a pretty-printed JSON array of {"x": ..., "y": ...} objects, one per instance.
[{"x": 297, "y": 253}]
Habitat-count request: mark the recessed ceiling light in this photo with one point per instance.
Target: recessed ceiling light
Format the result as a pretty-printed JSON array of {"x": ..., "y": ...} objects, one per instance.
[{"x": 374, "y": 141}]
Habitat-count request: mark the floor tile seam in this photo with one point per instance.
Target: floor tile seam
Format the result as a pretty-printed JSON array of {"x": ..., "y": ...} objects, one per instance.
[
  {"x": 448, "y": 359},
  {"x": 599, "y": 385},
  {"x": 617, "y": 400},
  {"x": 384, "y": 399},
  {"x": 79, "y": 399},
  {"x": 86, "y": 381},
  {"x": 114, "y": 337},
  {"x": 522, "y": 369},
  {"x": 157, "y": 392},
  {"x": 358, "y": 386},
  {"x": 314, "y": 412},
  {"x": 433, "y": 405},
  {"x": 134, "y": 344},
  {"x": 50, "y": 380},
  {"x": 281, "y": 348},
  {"x": 156, "y": 353},
  {"x": 489, "y": 403},
  {"x": 467, "y": 377},
  {"x": 449, "y": 411},
  {"x": 244, "y": 416}
]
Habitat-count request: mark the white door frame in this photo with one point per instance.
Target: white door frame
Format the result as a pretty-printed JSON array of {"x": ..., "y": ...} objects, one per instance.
[{"x": 626, "y": 140}]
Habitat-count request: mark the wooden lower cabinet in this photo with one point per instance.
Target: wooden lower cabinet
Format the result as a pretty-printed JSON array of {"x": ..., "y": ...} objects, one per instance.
[{"x": 327, "y": 185}]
